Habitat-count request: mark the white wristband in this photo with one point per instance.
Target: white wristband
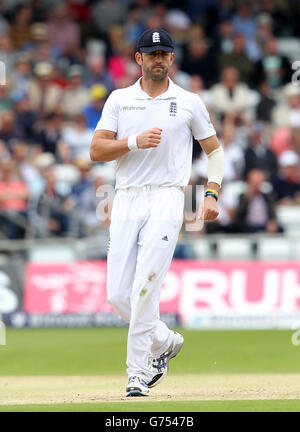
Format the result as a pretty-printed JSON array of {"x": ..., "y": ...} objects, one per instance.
[{"x": 132, "y": 142}]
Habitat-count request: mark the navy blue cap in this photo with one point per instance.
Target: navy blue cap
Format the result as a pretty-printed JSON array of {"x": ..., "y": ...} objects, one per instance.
[{"x": 155, "y": 40}]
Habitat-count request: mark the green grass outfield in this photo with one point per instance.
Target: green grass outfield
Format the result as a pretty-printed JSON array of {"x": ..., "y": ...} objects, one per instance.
[
  {"x": 156, "y": 407},
  {"x": 102, "y": 351}
]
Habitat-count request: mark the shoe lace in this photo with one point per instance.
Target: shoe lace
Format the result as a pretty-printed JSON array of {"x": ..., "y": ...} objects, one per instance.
[
  {"x": 140, "y": 380},
  {"x": 160, "y": 362}
]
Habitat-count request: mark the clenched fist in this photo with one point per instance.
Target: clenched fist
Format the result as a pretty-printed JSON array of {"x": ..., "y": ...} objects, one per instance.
[
  {"x": 209, "y": 209},
  {"x": 149, "y": 138}
]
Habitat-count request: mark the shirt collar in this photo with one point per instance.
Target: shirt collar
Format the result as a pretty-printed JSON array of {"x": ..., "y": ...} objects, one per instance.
[{"x": 141, "y": 94}]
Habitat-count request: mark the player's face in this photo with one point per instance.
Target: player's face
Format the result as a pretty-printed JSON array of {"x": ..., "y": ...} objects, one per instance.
[{"x": 155, "y": 65}]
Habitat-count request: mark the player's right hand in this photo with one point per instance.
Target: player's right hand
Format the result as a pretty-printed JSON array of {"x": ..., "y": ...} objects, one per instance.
[{"x": 149, "y": 138}]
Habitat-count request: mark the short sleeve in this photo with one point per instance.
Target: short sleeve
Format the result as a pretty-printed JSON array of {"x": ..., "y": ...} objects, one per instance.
[
  {"x": 109, "y": 117},
  {"x": 201, "y": 125}
]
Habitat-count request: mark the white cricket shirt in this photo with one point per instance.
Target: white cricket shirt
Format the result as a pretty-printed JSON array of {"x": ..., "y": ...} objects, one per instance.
[{"x": 179, "y": 113}]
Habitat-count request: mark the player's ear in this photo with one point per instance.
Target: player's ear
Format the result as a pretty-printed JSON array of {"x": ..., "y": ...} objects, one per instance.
[
  {"x": 172, "y": 58},
  {"x": 138, "y": 58}
]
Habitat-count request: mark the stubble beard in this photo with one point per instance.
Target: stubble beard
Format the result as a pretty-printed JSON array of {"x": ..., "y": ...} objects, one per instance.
[{"x": 156, "y": 75}]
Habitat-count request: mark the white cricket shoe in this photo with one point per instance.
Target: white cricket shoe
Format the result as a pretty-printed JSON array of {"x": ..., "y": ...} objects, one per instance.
[
  {"x": 136, "y": 387},
  {"x": 161, "y": 363}
]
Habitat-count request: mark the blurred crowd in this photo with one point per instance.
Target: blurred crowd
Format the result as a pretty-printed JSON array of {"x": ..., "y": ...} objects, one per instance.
[{"x": 62, "y": 60}]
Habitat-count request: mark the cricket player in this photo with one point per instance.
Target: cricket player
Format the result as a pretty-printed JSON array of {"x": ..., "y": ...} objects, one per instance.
[{"x": 148, "y": 128}]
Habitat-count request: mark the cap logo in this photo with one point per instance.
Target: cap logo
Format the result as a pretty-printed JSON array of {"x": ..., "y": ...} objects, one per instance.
[{"x": 155, "y": 37}]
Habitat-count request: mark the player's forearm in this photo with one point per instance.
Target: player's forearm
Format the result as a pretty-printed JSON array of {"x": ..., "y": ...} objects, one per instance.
[{"x": 105, "y": 150}]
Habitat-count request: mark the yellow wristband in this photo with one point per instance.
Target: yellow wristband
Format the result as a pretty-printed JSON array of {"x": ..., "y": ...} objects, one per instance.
[{"x": 213, "y": 191}]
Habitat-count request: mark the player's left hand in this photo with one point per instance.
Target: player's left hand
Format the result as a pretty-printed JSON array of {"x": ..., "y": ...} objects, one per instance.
[{"x": 209, "y": 209}]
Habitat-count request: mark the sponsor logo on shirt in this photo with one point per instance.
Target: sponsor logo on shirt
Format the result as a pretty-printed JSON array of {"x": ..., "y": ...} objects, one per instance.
[
  {"x": 132, "y": 108},
  {"x": 173, "y": 109}
]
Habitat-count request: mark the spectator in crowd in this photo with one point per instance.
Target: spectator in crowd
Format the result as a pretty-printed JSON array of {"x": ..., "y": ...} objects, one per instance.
[
  {"x": 223, "y": 10},
  {"x": 280, "y": 15},
  {"x": 25, "y": 117},
  {"x": 266, "y": 102},
  {"x": 4, "y": 153},
  {"x": 264, "y": 33},
  {"x": 199, "y": 60},
  {"x": 238, "y": 59},
  {"x": 231, "y": 95},
  {"x": 98, "y": 94},
  {"x": 123, "y": 65},
  {"x": 20, "y": 29},
  {"x": 8, "y": 53},
  {"x": 14, "y": 195},
  {"x": 48, "y": 135},
  {"x": 9, "y": 130},
  {"x": 272, "y": 67},
  {"x": 44, "y": 53},
  {"x": 294, "y": 19},
  {"x": 256, "y": 207},
  {"x": 178, "y": 76},
  {"x": 196, "y": 85},
  {"x": 44, "y": 96},
  {"x": 244, "y": 20},
  {"x": 258, "y": 155},
  {"x": 84, "y": 183},
  {"x": 76, "y": 140},
  {"x": 195, "y": 32},
  {"x": 223, "y": 38},
  {"x": 287, "y": 183},
  {"x": 63, "y": 32},
  {"x": 106, "y": 13},
  {"x": 134, "y": 26},
  {"x": 79, "y": 10},
  {"x": 4, "y": 26},
  {"x": 288, "y": 112},
  {"x": 76, "y": 95},
  {"x": 295, "y": 139},
  {"x": 97, "y": 72},
  {"x": 115, "y": 40},
  {"x": 22, "y": 74},
  {"x": 39, "y": 48},
  {"x": 78, "y": 195},
  {"x": 178, "y": 23},
  {"x": 5, "y": 98},
  {"x": 52, "y": 208},
  {"x": 156, "y": 20},
  {"x": 286, "y": 138},
  {"x": 22, "y": 155}
]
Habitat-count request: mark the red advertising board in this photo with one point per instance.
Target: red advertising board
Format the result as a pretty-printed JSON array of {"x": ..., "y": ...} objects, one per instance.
[{"x": 204, "y": 294}]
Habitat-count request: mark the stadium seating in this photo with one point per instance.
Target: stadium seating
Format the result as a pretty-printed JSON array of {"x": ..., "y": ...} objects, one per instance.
[
  {"x": 52, "y": 252},
  {"x": 234, "y": 248},
  {"x": 274, "y": 248},
  {"x": 202, "y": 249},
  {"x": 289, "y": 218},
  {"x": 289, "y": 47}
]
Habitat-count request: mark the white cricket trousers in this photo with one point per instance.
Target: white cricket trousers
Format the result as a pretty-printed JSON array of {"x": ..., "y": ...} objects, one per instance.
[{"x": 145, "y": 223}]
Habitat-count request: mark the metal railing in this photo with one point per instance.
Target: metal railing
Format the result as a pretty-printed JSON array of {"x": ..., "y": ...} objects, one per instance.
[{"x": 202, "y": 247}]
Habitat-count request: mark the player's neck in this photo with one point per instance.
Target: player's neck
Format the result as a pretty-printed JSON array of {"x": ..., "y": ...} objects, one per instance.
[{"x": 154, "y": 88}]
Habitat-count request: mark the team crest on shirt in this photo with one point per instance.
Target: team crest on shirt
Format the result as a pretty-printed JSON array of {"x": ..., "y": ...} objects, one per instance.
[
  {"x": 173, "y": 109},
  {"x": 155, "y": 37}
]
